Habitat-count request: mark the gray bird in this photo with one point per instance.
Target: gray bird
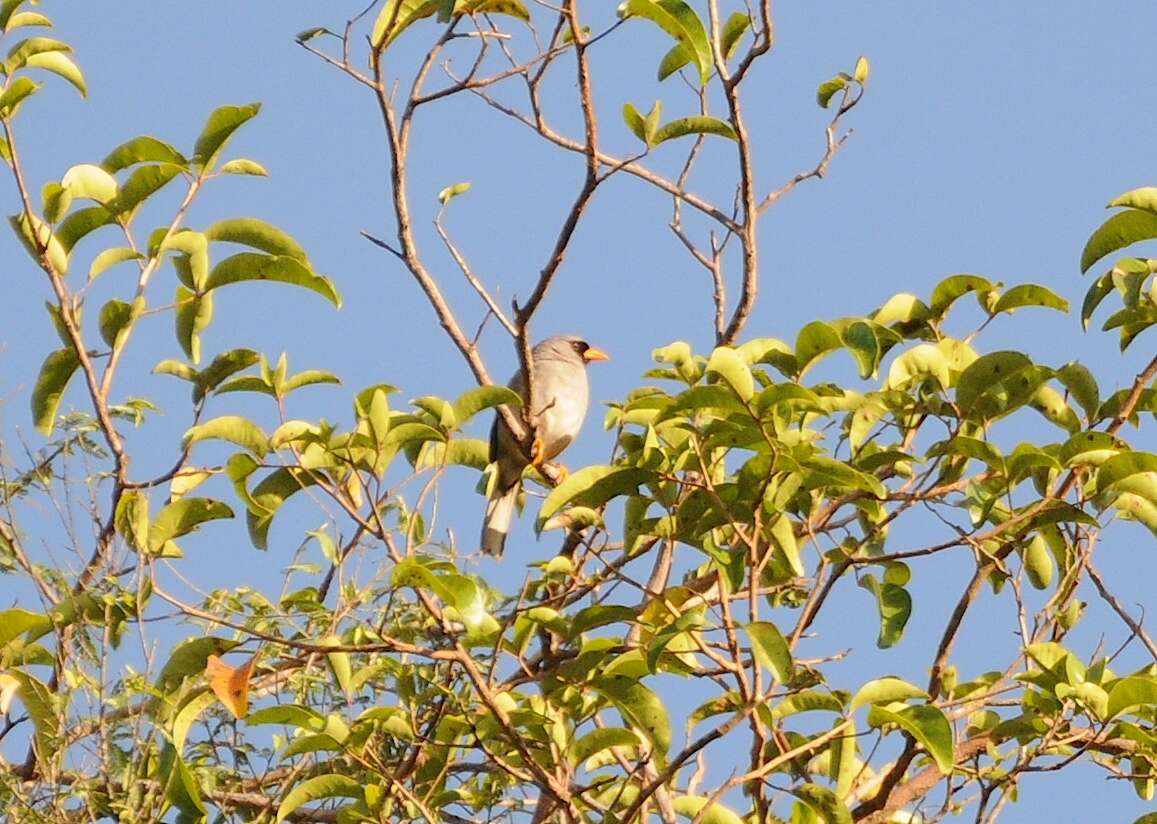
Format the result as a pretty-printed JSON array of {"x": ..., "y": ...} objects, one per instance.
[{"x": 560, "y": 400}]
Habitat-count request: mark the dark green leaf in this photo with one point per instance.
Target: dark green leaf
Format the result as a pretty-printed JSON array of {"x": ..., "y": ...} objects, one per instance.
[
  {"x": 681, "y": 22},
  {"x": 182, "y": 517},
  {"x": 925, "y": 723},
  {"x": 115, "y": 316},
  {"x": 697, "y": 124},
  {"x": 733, "y": 30},
  {"x": 640, "y": 707},
  {"x": 771, "y": 649},
  {"x": 143, "y": 149},
  {"x": 593, "y": 486},
  {"x": 885, "y": 690},
  {"x": 258, "y": 234},
  {"x": 1030, "y": 294},
  {"x": 249, "y": 266},
  {"x": 1121, "y": 230},
  {"x": 55, "y": 373},
  {"x": 895, "y": 605},
  {"x": 222, "y": 123},
  {"x": 232, "y": 428},
  {"x": 319, "y": 787}
]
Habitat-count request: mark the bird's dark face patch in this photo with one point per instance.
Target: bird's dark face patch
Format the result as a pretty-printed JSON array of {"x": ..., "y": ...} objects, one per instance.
[{"x": 580, "y": 347}]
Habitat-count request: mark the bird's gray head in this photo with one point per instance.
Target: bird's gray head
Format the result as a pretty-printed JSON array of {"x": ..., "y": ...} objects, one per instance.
[{"x": 569, "y": 348}]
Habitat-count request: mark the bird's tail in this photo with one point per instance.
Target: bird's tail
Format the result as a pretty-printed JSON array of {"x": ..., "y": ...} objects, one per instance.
[{"x": 496, "y": 524}]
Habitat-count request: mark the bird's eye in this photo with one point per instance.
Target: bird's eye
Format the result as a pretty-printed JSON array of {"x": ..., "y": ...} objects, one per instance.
[{"x": 581, "y": 346}]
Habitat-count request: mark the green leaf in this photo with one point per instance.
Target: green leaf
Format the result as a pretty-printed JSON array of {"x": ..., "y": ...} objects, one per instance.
[
  {"x": 1130, "y": 692},
  {"x": 895, "y": 605},
  {"x": 921, "y": 361},
  {"x": 223, "y": 366},
  {"x": 18, "y": 90},
  {"x": 949, "y": 290},
  {"x": 727, "y": 364},
  {"x": 862, "y": 71},
  {"x": 640, "y": 707},
  {"x": 268, "y": 496},
  {"x": 27, "y": 18},
  {"x": 830, "y": 88},
  {"x": 451, "y": 192},
  {"x": 143, "y": 149},
  {"x": 860, "y": 339},
  {"x": 35, "y": 234},
  {"x": 243, "y": 166},
  {"x": 644, "y": 128},
  {"x": 986, "y": 372},
  {"x": 339, "y": 664},
  {"x": 142, "y": 184},
  {"x": 55, "y": 373},
  {"x": 597, "y": 741},
  {"x": 332, "y": 785},
  {"x": 41, "y": 708},
  {"x": 290, "y": 715},
  {"x": 1122, "y": 466},
  {"x": 115, "y": 317},
  {"x": 1121, "y": 230},
  {"x": 258, "y": 234},
  {"x": 697, "y": 124},
  {"x": 771, "y": 649},
  {"x": 601, "y": 615},
  {"x": 681, "y": 22},
  {"x": 884, "y": 691},
  {"x": 219, "y": 128},
  {"x": 187, "y": 715},
  {"x": 193, "y": 314},
  {"x": 1142, "y": 198},
  {"x": 511, "y": 8},
  {"x": 132, "y": 519},
  {"x": 109, "y": 258},
  {"x": 232, "y": 428},
  {"x": 310, "y": 377},
  {"x": 473, "y": 401},
  {"x": 814, "y": 341},
  {"x": 1029, "y": 294},
  {"x": 248, "y": 266},
  {"x": 79, "y": 224},
  {"x": 806, "y": 701},
  {"x": 927, "y": 724},
  {"x": 309, "y": 34},
  {"x": 59, "y": 64},
  {"x": 1038, "y": 562},
  {"x": 675, "y": 59},
  {"x": 19, "y": 54},
  {"x": 16, "y": 622},
  {"x": 736, "y": 26},
  {"x": 824, "y": 802},
  {"x": 1082, "y": 385},
  {"x": 182, "y": 517},
  {"x": 593, "y": 486},
  {"x": 691, "y": 806},
  {"x": 89, "y": 181},
  {"x": 188, "y": 658},
  {"x": 398, "y": 15}
]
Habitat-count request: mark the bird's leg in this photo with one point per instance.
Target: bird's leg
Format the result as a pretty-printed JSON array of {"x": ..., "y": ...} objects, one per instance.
[
  {"x": 537, "y": 452},
  {"x": 560, "y": 471}
]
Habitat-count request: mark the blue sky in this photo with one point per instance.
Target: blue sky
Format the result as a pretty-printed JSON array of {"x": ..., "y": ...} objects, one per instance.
[{"x": 990, "y": 138}]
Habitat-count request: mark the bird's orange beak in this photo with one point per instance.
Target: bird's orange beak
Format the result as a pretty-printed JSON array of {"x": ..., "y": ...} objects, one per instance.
[{"x": 593, "y": 354}]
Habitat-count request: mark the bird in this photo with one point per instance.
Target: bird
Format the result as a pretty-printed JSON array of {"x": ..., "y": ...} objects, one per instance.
[{"x": 561, "y": 395}]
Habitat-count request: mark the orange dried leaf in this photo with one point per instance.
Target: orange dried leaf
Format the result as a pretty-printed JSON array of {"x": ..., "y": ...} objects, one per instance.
[{"x": 230, "y": 684}]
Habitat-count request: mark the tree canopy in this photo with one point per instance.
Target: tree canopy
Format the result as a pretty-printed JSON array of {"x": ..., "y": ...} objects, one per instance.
[{"x": 666, "y": 657}]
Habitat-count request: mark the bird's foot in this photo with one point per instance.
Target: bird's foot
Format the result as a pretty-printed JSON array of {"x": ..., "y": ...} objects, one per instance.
[
  {"x": 537, "y": 453},
  {"x": 560, "y": 472}
]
